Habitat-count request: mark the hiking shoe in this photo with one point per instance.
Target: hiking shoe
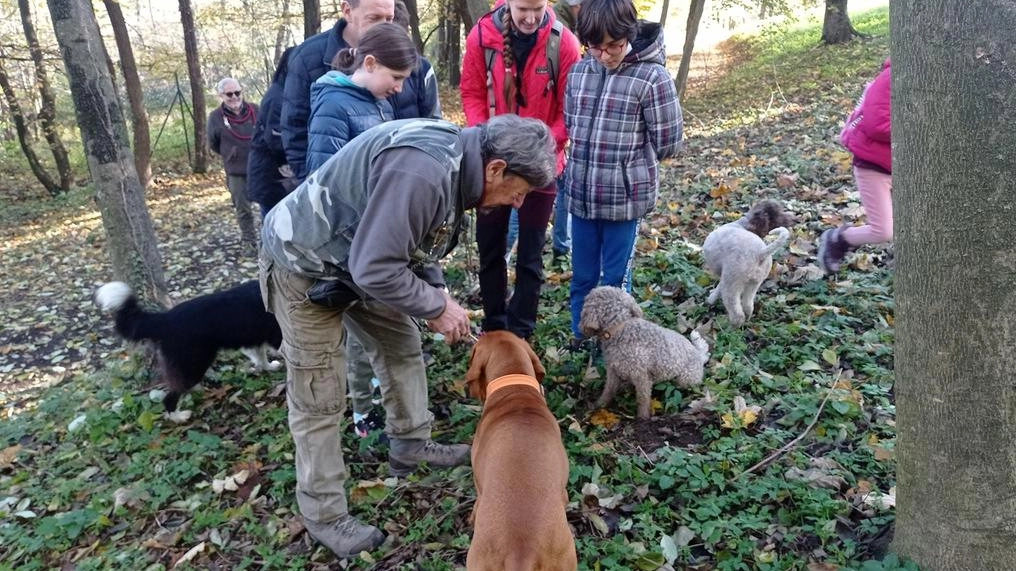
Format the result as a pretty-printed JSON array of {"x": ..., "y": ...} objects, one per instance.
[
  {"x": 832, "y": 248},
  {"x": 346, "y": 536},
  {"x": 405, "y": 455},
  {"x": 364, "y": 424}
]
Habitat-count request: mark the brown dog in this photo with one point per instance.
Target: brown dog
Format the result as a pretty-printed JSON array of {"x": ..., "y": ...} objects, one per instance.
[{"x": 519, "y": 464}]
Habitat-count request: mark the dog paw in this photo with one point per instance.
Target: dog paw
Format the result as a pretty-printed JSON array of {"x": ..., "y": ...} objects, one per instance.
[
  {"x": 179, "y": 416},
  {"x": 274, "y": 365}
]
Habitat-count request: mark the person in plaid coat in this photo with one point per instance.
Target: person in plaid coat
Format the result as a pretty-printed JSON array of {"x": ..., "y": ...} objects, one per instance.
[{"x": 623, "y": 116}]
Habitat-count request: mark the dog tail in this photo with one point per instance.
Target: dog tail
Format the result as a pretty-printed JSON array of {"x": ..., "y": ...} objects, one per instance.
[
  {"x": 783, "y": 236},
  {"x": 700, "y": 345},
  {"x": 131, "y": 321}
]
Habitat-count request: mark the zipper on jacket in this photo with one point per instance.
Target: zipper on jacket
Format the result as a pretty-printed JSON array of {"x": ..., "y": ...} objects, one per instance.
[{"x": 592, "y": 126}]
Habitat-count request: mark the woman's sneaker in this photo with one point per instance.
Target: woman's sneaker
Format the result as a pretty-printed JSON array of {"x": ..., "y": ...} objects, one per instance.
[{"x": 832, "y": 248}]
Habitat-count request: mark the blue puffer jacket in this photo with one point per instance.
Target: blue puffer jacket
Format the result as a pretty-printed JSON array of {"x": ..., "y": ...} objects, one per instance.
[
  {"x": 419, "y": 97},
  {"x": 339, "y": 111},
  {"x": 265, "y": 184}
]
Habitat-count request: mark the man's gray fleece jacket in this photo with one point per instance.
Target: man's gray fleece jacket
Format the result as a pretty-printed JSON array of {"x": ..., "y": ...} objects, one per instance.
[{"x": 382, "y": 211}]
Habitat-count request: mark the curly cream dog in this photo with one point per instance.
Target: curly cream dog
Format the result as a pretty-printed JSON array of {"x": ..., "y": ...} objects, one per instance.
[
  {"x": 637, "y": 350},
  {"x": 737, "y": 254}
]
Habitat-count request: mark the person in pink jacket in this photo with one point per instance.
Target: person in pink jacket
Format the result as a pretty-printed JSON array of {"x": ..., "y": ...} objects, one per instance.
[
  {"x": 506, "y": 70},
  {"x": 868, "y": 135}
]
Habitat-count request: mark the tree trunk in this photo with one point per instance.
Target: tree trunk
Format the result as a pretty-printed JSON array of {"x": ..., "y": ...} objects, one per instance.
[
  {"x": 836, "y": 27},
  {"x": 691, "y": 30},
  {"x": 197, "y": 86},
  {"x": 47, "y": 109},
  {"x": 954, "y": 105},
  {"x": 472, "y": 10},
  {"x": 119, "y": 194},
  {"x": 663, "y": 13},
  {"x": 414, "y": 23},
  {"x": 281, "y": 37},
  {"x": 311, "y": 18},
  {"x": 451, "y": 56},
  {"x": 132, "y": 83},
  {"x": 24, "y": 137}
]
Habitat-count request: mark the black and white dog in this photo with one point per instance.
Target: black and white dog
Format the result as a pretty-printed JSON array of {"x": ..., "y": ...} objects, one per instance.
[{"x": 190, "y": 335}]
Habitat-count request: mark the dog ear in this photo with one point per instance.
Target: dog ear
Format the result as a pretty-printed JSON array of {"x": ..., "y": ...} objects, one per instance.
[
  {"x": 475, "y": 377},
  {"x": 538, "y": 369},
  {"x": 633, "y": 307}
]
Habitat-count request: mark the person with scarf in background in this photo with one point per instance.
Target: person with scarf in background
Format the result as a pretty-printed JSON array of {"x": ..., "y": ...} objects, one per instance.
[{"x": 230, "y": 129}]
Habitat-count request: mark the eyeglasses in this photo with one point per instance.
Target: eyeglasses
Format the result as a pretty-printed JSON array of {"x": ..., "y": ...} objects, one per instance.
[
  {"x": 231, "y": 93},
  {"x": 613, "y": 48}
]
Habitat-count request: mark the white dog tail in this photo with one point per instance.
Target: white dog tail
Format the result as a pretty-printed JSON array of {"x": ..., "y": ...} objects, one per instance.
[
  {"x": 700, "y": 345},
  {"x": 783, "y": 236}
]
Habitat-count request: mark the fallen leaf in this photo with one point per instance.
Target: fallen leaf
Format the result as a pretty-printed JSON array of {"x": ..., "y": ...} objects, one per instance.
[
  {"x": 605, "y": 419},
  {"x": 7, "y": 455}
]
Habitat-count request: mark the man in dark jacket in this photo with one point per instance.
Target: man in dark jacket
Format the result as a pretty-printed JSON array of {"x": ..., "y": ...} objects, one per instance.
[
  {"x": 312, "y": 58},
  {"x": 371, "y": 224},
  {"x": 269, "y": 177},
  {"x": 230, "y": 129}
]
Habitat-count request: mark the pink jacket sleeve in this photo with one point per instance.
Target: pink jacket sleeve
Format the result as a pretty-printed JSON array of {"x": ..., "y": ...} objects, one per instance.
[
  {"x": 473, "y": 84},
  {"x": 877, "y": 124}
]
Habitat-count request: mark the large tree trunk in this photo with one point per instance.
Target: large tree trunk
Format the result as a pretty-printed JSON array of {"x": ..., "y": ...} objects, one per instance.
[
  {"x": 691, "y": 30},
  {"x": 24, "y": 137},
  {"x": 281, "y": 38},
  {"x": 471, "y": 10},
  {"x": 311, "y": 18},
  {"x": 119, "y": 194},
  {"x": 197, "y": 86},
  {"x": 836, "y": 27},
  {"x": 448, "y": 35},
  {"x": 954, "y": 107},
  {"x": 414, "y": 23},
  {"x": 47, "y": 109},
  {"x": 132, "y": 83}
]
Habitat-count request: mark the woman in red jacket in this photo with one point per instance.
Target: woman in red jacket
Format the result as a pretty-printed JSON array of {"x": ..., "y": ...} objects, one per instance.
[
  {"x": 868, "y": 135},
  {"x": 506, "y": 69}
]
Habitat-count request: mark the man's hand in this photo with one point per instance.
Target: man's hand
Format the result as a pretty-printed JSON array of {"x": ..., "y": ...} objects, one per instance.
[{"x": 453, "y": 322}]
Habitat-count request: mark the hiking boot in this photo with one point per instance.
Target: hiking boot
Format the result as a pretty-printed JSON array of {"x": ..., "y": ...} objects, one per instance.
[
  {"x": 364, "y": 424},
  {"x": 832, "y": 248},
  {"x": 346, "y": 536},
  {"x": 405, "y": 455}
]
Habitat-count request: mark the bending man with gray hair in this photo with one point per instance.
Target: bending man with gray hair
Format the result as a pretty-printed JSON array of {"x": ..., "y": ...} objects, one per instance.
[{"x": 358, "y": 244}]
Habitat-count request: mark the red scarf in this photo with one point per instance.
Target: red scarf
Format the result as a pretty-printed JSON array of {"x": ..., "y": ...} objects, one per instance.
[{"x": 246, "y": 115}]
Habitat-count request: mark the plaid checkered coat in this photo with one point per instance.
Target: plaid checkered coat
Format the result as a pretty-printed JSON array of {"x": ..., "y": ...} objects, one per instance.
[{"x": 621, "y": 123}]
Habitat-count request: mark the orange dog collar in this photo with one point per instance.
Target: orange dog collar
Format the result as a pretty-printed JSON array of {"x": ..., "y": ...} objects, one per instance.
[{"x": 509, "y": 380}]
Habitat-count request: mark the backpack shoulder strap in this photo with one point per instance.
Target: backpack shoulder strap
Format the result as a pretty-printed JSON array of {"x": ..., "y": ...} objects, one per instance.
[
  {"x": 489, "y": 54},
  {"x": 554, "y": 53}
]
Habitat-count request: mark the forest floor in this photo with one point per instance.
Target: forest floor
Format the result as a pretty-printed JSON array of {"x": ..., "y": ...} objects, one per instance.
[{"x": 93, "y": 477}]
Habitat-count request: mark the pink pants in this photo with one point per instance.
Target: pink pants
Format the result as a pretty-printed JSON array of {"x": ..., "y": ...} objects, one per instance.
[{"x": 876, "y": 190}]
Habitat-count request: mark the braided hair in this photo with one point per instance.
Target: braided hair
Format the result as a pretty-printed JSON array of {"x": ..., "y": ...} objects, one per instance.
[{"x": 511, "y": 81}]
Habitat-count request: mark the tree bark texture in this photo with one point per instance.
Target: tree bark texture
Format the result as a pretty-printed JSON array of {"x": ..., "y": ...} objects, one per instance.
[
  {"x": 47, "y": 108},
  {"x": 691, "y": 31},
  {"x": 281, "y": 38},
  {"x": 24, "y": 136},
  {"x": 473, "y": 10},
  {"x": 664, "y": 10},
  {"x": 197, "y": 86},
  {"x": 120, "y": 196},
  {"x": 132, "y": 83},
  {"x": 414, "y": 23},
  {"x": 311, "y": 18},
  {"x": 954, "y": 163},
  {"x": 836, "y": 26}
]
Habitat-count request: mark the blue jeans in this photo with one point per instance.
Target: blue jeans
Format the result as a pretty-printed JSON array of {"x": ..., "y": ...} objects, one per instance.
[
  {"x": 603, "y": 255},
  {"x": 562, "y": 220}
]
